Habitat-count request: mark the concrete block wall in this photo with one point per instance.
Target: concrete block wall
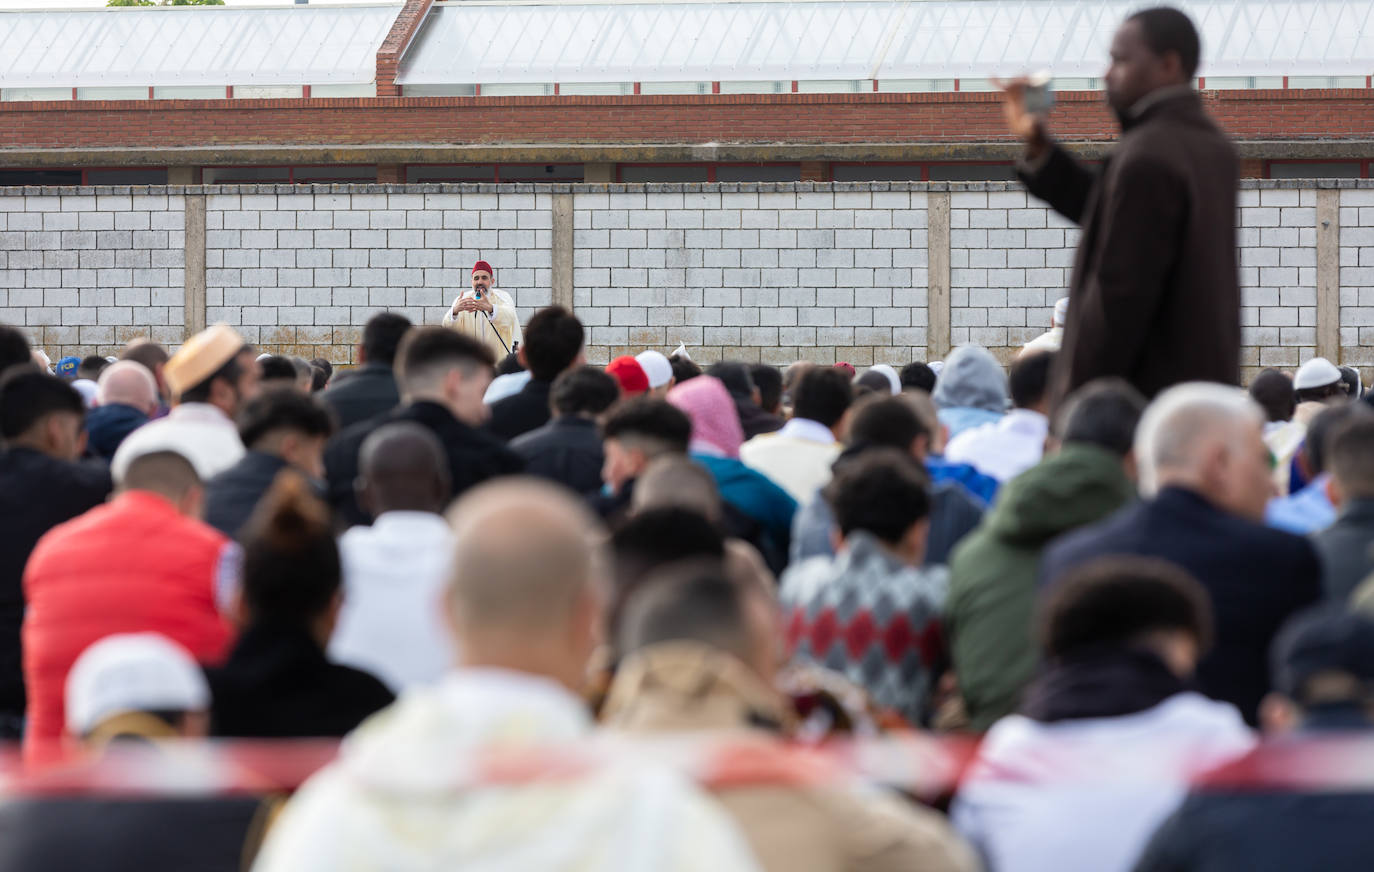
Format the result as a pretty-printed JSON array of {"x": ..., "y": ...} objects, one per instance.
[
  {"x": 1010, "y": 259},
  {"x": 759, "y": 273},
  {"x": 300, "y": 273},
  {"x": 1277, "y": 236},
  {"x": 771, "y": 272},
  {"x": 1357, "y": 279},
  {"x": 89, "y": 269}
]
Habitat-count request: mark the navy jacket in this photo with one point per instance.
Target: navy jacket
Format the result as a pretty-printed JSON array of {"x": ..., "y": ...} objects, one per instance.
[
  {"x": 566, "y": 450},
  {"x": 1345, "y": 549},
  {"x": 1256, "y": 577},
  {"x": 106, "y": 427},
  {"x": 520, "y": 413},
  {"x": 366, "y": 392},
  {"x": 1272, "y": 830},
  {"x": 231, "y": 496},
  {"x": 473, "y": 456}
]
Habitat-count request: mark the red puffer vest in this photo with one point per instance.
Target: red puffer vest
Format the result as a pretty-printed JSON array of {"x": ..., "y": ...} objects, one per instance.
[{"x": 134, "y": 565}]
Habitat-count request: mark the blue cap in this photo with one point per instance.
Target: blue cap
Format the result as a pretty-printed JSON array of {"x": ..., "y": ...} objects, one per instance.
[{"x": 66, "y": 367}]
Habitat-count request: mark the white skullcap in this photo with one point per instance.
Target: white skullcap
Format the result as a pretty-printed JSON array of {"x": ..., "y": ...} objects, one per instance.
[
  {"x": 681, "y": 351},
  {"x": 1317, "y": 372},
  {"x": 132, "y": 672},
  {"x": 656, "y": 367},
  {"x": 1061, "y": 312}
]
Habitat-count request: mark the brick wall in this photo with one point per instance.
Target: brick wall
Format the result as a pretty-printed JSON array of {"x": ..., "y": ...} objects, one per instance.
[
  {"x": 772, "y": 272},
  {"x": 1276, "y": 120}
]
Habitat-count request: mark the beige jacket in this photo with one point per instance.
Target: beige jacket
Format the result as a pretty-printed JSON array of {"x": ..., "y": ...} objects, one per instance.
[{"x": 687, "y": 687}]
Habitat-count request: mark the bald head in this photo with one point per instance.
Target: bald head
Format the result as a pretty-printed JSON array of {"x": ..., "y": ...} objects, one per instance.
[
  {"x": 676, "y": 482},
  {"x": 129, "y": 384},
  {"x": 523, "y": 567},
  {"x": 402, "y": 467},
  {"x": 1206, "y": 437}
]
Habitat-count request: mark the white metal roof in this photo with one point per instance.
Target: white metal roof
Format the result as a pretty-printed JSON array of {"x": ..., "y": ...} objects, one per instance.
[
  {"x": 188, "y": 45},
  {"x": 550, "y": 41}
]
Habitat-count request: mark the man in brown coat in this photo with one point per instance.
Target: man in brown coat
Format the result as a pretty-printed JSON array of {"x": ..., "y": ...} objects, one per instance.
[{"x": 1155, "y": 296}]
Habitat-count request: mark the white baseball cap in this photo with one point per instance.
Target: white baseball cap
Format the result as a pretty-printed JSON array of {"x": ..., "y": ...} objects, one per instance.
[
  {"x": 1317, "y": 372},
  {"x": 132, "y": 672},
  {"x": 656, "y": 367}
]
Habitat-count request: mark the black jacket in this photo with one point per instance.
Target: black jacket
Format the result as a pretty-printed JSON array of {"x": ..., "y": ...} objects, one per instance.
[
  {"x": 37, "y": 492},
  {"x": 565, "y": 450},
  {"x": 278, "y": 684},
  {"x": 473, "y": 456},
  {"x": 106, "y": 427},
  {"x": 128, "y": 833},
  {"x": 754, "y": 420},
  {"x": 1256, "y": 578},
  {"x": 1345, "y": 550},
  {"x": 1155, "y": 294},
  {"x": 520, "y": 413},
  {"x": 231, "y": 496},
  {"x": 366, "y": 392},
  {"x": 1272, "y": 830}
]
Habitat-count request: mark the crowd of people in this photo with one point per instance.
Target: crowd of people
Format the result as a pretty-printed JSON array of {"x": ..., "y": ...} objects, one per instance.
[{"x": 1117, "y": 593}]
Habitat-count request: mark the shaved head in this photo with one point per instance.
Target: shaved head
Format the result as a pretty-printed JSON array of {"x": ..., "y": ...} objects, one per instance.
[
  {"x": 130, "y": 384},
  {"x": 402, "y": 467},
  {"x": 677, "y": 482},
  {"x": 523, "y": 566}
]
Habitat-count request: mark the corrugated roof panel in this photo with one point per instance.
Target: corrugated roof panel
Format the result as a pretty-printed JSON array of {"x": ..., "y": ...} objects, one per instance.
[
  {"x": 477, "y": 41},
  {"x": 227, "y": 45}
]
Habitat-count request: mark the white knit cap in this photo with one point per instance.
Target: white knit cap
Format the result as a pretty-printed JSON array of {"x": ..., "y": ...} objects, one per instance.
[
  {"x": 1061, "y": 312},
  {"x": 656, "y": 367},
  {"x": 1316, "y": 373},
  {"x": 132, "y": 672},
  {"x": 892, "y": 378}
]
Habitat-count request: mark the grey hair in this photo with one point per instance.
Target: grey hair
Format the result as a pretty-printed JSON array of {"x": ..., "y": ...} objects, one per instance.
[{"x": 1174, "y": 426}]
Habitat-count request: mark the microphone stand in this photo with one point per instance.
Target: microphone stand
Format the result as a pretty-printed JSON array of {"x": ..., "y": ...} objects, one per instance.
[{"x": 478, "y": 297}]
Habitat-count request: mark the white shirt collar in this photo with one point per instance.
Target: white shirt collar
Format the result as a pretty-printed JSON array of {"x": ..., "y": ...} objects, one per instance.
[
  {"x": 408, "y": 523},
  {"x": 808, "y": 430},
  {"x": 201, "y": 413},
  {"x": 1025, "y": 421}
]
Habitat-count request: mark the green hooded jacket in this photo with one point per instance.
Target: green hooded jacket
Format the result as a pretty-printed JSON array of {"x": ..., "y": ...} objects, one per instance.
[{"x": 990, "y": 612}]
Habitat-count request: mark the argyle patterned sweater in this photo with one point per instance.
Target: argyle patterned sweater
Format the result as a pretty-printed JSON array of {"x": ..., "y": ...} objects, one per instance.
[{"x": 872, "y": 618}]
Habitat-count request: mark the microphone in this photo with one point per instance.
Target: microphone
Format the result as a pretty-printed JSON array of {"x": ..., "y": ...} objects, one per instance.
[{"x": 478, "y": 295}]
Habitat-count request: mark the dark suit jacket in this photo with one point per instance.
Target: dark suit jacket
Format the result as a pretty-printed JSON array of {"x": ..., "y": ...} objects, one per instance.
[
  {"x": 277, "y": 683},
  {"x": 114, "y": 833},
  {"x": 1256, "y": 577},
  {"x": 368, "y": 391},
  {"x": 1155, "y": 296},
  {"x": 1345, "y": 549},
  {"x": 37, "y": 492},
  {"x": 231, "y": 496},
  {"x": 473, "y": 456},
  {"x": 565, "y": 450},
  {"x": 520, "y": 413}
]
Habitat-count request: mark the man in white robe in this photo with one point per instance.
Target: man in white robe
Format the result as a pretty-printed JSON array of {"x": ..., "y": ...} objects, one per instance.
[{"x": 486, "y": 313}]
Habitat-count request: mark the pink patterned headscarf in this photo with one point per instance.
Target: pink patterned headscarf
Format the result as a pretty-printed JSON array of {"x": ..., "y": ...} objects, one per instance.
[{"x": 715, "y": 423}]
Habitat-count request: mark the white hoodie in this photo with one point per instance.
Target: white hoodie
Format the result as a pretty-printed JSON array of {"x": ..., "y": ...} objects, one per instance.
[
  {"x": 1086, "y": 795},
  {"x": 404, "y": 796}
]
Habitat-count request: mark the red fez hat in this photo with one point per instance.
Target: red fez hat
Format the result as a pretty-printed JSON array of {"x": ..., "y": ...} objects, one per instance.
[
  {"x": 482, "y": 266},
  {"x": 629, "y": 374}
]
